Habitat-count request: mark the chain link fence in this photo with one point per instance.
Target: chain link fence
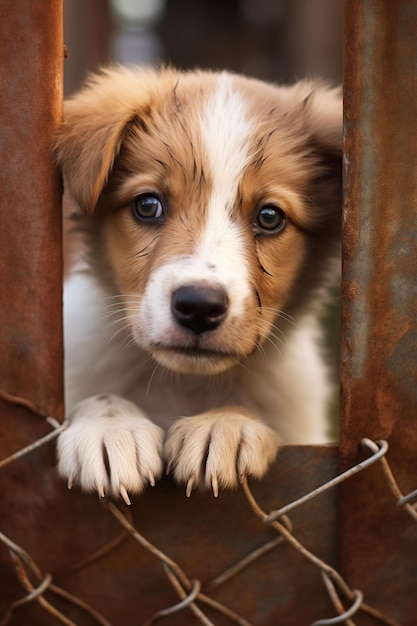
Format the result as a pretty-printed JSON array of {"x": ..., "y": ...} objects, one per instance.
[{"x": 195, "y": 595}]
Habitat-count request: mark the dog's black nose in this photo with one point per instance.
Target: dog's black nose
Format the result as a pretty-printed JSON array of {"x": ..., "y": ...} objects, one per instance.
[{"x": 199, "y": 308}]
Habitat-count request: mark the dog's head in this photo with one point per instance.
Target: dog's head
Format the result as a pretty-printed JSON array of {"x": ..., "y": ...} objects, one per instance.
[{"x": 214, "y": 203}]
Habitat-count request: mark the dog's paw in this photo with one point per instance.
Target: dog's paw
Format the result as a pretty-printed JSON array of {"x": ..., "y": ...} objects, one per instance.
[
  {"x": 110, "y": 447},
  {"x": 219, "y": 448}
]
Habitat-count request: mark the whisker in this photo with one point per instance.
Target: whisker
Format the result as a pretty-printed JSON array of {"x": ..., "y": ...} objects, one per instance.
[
  {"x": 119, "y": 319},
  {"x": 274, "y": 345},
  {"x": 270, "y": 337},
  {"x": 281, "y": 314},
  {"x": 119, "y": 309},
  {"x": 109, "y": 314},
  {"x": 120, "y": 330},
  {"x": 148, "y": 388},
  {"x": 120, "y": 306},
  {"x": 123, "y": 300},
  {"x": 212, "y": 382},
  {"x": 124, "y": 296},
  {"x": 267, "y": 326},
  {"x": 242, "y": 365}
]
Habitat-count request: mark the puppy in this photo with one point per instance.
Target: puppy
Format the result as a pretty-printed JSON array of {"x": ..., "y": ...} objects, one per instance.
[{"x": 210, "y": 213}]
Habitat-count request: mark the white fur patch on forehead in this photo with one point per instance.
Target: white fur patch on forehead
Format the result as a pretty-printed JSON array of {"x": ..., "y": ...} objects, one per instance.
[{"x": 226, "y": 130}]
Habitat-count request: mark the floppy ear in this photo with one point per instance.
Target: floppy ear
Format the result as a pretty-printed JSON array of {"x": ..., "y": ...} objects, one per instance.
[
  {"x": 95, "y": 122},
  {"x": 323, "y": 128},
  {"x": 323, "y": 110},
  {"x": 319, "y": 114},
  {"x": 90, "y": 138},
  {"x": 86, "y": 153}
]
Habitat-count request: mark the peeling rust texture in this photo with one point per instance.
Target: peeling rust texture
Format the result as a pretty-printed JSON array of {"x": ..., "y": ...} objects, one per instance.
[
  {"x": 31, "y": 59},
  {"x": 379, "y": 312}
]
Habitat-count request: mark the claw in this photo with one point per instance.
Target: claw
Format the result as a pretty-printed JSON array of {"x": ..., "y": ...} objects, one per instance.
[
  {"x": 70, "y": 481},
  {"x": 151, "y": 479},
  {"x": 189, "y": 487},
  {"x": 124, "y": 494},
  {"x": 100, "y": 491},
  {"x": 215, "y": 486}
]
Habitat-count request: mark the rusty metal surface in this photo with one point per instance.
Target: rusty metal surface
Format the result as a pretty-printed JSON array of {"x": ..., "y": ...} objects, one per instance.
[
  {"x": 379, "y": 344},
  {"x": 60, "y": 529},
  {"x": 31, "y": 59}
]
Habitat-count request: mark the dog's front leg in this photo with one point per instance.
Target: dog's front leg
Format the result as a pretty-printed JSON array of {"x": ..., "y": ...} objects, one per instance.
[
  {"x": 217, "y": 448},
  {"x": 111, "y": 447}
]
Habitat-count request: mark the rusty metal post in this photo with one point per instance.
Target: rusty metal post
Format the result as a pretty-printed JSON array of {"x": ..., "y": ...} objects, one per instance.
[
  {"x": 379, "y": 344},
  {"x": 31, "y": 59},
  {"x": 31, "y": 354}
]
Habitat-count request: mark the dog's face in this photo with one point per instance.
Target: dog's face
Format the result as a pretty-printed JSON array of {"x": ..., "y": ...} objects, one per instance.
[{"x": 214, "y": 200}]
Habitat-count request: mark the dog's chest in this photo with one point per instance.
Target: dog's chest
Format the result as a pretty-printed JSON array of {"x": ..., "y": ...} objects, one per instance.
[{"x": 168, "y": 397}]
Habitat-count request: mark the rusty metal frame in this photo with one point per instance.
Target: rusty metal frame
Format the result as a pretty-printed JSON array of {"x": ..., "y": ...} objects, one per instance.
[
  {"x": 70, "y": 535},
  {"x": 379, "y": 293},
  {"x": 30, "y": 233}
]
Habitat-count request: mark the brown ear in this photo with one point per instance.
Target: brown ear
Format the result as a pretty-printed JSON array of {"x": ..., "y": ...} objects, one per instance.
[
  {"x": 94, "y": 125},
  {"x": 86, "y": 153},
  {"x": 323, "y": 126},
  {"x": 320, "y": 115},
  {"x": 89, "y": 140},
  {"x": 323, "y": 110}
]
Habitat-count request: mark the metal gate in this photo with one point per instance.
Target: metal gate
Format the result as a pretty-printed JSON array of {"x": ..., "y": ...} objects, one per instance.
[{"x": 295, "y": 549}]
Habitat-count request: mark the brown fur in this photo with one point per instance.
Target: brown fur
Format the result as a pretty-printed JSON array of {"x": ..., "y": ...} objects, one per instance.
[{"x": 116, "y": 128}]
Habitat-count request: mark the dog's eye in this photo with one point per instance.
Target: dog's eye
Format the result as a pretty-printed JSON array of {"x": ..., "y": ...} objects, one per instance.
[
  {"x": 147, "y": 206},
  {"x": 270, "y": 219}
]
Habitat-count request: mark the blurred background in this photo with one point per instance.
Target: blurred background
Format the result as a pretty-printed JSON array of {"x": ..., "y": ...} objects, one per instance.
[{"x": 276, "y": 40}]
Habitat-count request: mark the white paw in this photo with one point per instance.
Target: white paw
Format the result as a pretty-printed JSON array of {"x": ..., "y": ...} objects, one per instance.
[
  {"x": 110, "y": 447},
  {"x": 218, "y": 448}
]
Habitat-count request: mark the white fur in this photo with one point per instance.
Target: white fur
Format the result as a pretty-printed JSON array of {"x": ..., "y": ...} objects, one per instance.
[
  {"x": 218, "y": 260},
  {"x": 286, "y": 386},
  {"x": 221, "y": 242},
  {"x": 219, "y": 255},
  {"x": 238, "y": 445},
  {"x": 132, "y": 445},
  {"x": 225, "y": 116},
  {"x": 94, "y": 363}
]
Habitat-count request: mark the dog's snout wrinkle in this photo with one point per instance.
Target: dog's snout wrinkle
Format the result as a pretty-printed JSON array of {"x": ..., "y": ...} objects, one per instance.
[{"x": 199, "y": 308}]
